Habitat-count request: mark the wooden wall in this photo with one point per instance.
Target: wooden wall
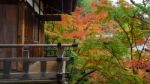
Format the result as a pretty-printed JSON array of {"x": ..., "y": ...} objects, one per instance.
[
  {"x": 33, "y": 31},
  {"x": 19, "y": 24},
  {"x": 8, "y": 29},
  {"x": 30, "y": 30}
]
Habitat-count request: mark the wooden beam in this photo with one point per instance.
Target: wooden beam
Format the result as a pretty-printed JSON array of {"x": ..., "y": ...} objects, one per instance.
[
  {"x": 36, "y": 45},
  {"x": 50, "y": 17},
  {"x": 28, "y": 82},
  {"x": 32, "y": 59}
]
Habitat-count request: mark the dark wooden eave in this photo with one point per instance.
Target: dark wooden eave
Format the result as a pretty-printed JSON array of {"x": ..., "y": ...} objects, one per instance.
[
  {"x": 51, "y": 6},
  {"x": 8, "y": 1},
  {"x": 59, "y": 6},
  {"x": 49, "y": 17}
]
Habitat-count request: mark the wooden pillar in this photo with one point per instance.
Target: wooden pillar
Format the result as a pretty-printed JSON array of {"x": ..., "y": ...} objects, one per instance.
[
  {"x": 61, "y": 65},
  {"x": 6, "y": 69},
  {"x": 26, "y": 62},
  {"x": 21, "y": 31}
]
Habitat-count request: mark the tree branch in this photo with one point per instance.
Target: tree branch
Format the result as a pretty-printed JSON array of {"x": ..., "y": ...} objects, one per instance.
[
  {"x": 126, "y": 33},
  {"x": 85, "y": 75}
]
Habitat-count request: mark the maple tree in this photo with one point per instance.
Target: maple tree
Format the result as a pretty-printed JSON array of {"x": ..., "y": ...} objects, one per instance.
[
  {"x": 81, "y": 26},
  {"x": 131, "y": 23},
  {"x": 135, "y": 27},
  {"x": 101, "y": 58},
  {"x": 95, "y": 52}
]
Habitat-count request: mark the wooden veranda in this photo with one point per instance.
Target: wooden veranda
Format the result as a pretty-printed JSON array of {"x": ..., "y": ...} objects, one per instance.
[{"x": 9, "y": 76}]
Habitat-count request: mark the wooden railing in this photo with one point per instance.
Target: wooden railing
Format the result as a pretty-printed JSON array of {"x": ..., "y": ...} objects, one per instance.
[{"x": 60, "y": 75}]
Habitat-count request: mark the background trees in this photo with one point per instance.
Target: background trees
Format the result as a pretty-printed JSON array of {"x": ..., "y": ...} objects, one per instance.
[{"x": 107, "y": 35}]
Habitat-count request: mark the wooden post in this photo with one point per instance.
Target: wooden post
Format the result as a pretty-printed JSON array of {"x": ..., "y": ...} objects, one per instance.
[
  {"x": 26, "y": 62},
  {"x": 43, "y": 68},
  {"x": 6, "y": 68},
  {"x": 43, "y": 65},
  {"x": 21, "y": 31},
  {"x": 61, "y": 65}
]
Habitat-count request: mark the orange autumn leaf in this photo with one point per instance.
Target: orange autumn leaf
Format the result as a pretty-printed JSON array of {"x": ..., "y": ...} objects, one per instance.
[
  {"x": 102, "y": 16},
  {"x": 80, "y": 34}
]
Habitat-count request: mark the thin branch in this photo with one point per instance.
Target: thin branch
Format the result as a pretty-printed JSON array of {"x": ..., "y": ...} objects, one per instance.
[
  {"x": 133, "y": 2},
  {"x": 133, "y": 39},
  {"x": 85, "y": 75},
  {"x": 144, "y": 44},
  {"x": 88, "y": 73},
  {"x": 126, "y": 33},
  {"x": 144, "y": 4},
  {"x": 113, "y": 54}
]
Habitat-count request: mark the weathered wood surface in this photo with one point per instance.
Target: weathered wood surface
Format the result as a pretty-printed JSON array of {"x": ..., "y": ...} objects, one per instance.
[
  {"x": 21, "y": 28},
  {"x": 8, "y": 30}
]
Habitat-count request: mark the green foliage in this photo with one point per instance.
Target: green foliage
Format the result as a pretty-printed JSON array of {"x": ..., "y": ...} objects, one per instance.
[
  {"x": 116, "y": 47},
  {"x": 108, "y": 63},
  {"x": 74, "y": 65},
  {"x": 85, "y": 4},
  {"x": 54, "y": 33},
  {"x": 90, "y": 44},
  {"x": 133, "y": 24},
  {"x": 102, "y": 60}
]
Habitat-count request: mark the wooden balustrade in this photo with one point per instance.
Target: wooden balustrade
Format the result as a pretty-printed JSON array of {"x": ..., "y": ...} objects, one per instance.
[{"x": 59, "y": 76}]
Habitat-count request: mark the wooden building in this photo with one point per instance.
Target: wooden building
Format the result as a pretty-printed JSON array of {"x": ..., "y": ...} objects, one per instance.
[{"x": 22, "y": 22}]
